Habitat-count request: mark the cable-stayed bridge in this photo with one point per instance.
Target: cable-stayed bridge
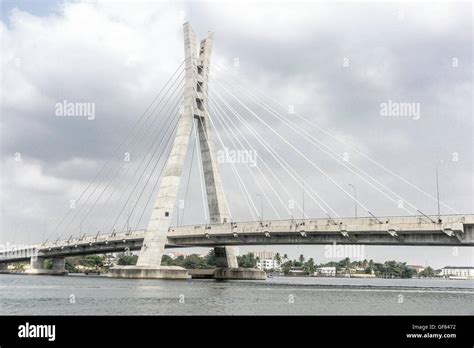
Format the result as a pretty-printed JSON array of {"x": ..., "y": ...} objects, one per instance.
[{"x": 175, "y": 142}]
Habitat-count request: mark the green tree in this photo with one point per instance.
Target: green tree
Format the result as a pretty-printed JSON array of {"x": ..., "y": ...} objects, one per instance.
[
  {"x": 95, "y": 261},
  {"x": 193, "y": 261},
  {"x": 19, "y": 267},
  {"x": 309, "y": 267},
  {"x": 166, "y": 260},
  {"x": 428, "y": 272},
  {"x": 301, "y": 259},
  {"x": 365, "y": 263},
  {"x": 286, "y": 267},
  {"x": 211, "y": 258},
  {"x": 277, "y": 258},
  {"x": 344, "y": 264},
  {"x": 70, "y": 266},
  {"x": 393, "y": 269},
  {"x": 127, "y": 260},
  {"x": 247, "y": 261},
  {"x": 48, "y": 264}
]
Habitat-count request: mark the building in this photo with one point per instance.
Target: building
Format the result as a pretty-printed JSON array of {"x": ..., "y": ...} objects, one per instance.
[
  {"x": 417, "y": 268},
  {"x": 263, "y": 254},
  {"x": 458, "y": 271},
  {"x": 266, "y": 264},
  {"x": 175, "y": 255},
  {"x": 325, "y": 272}
]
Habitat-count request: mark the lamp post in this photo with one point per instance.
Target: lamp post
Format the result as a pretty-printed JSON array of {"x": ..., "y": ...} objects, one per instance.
[
  {"x": 261, "y": 207},
  {"x": 355, "y": 199}
]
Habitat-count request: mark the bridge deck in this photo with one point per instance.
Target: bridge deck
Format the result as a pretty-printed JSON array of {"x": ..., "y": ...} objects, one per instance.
[{"x": 453, "y": 230}]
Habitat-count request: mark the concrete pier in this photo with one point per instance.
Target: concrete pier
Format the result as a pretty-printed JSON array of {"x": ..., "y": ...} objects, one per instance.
[
  {"x": 37, "y": 266},
  {"x": 148, "y": 272},
  {"x": 239, "y": 274},
  {"x": 228, "y": 274},
  {"x": 194, "y": 113}
]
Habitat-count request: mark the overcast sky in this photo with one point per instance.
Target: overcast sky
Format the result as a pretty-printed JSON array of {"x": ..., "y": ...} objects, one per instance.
[{"x": 334, "y": 63}]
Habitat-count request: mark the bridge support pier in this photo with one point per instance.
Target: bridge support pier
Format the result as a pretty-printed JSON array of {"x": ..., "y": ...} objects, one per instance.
[
  {"x": 149, "y": 272},
  {"x": 225, "y": 257},
  {"x": 194, "y": 116},
  {"x": 37, "y": 266},
  {"x": 4, "y": 268},
  {"x": 228, "y": 267}
]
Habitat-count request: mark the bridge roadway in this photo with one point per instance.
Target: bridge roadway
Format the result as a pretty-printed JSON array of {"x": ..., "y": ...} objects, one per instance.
[{"x": 452, "y": 230}]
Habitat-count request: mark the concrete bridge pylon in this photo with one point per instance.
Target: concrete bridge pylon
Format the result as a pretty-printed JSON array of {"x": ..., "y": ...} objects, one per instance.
[{"x": 194, "y": 114}]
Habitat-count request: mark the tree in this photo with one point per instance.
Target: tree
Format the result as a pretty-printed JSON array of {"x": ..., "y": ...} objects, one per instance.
[
  {"x": 69, "y": 265},
  {"x": 277, "y": 258},
  {"x": 309, "y": 267},
  {"x": 365, "y": 263},
  {"x": 95, "y": 261},
  {"x": 127, "y": 260},
  {"x": 211, "y": 258},
  {"x": 247, "y": 261},
  {"x": 345, "y": 263},
  {"x": 48, "y": 264},
  {"x": 428, "y": 272},
  {"x": 301, "y": 259},
  {"x": 193, "y": 261},
  {"x": 393, "y": 269},
  {"x": 166, "y": 260},
  {"x": 286, "y": 267},
  {"x": 179, "y": 261},
  {"x": 19, "y": 267}
]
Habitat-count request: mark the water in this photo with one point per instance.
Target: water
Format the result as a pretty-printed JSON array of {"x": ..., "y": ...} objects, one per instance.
[{"x": 97, "y": 295}]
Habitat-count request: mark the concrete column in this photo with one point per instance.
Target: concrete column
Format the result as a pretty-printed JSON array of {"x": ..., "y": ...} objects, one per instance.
[
  {"x": 225, "y": 257},
  {"x": 37, "y": 266},
  {"x": 59, "y": 264},
  {"x": 194, "y": 106},
  {"x": 156, "y": 233},
  {"x": 37, "y": 263},
  {"x": 217, "y": 203},
  {"x": 3, "y": 267}
]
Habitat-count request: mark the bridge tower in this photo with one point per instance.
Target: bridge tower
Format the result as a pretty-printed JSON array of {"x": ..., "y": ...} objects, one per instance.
[{"x": 194, "y": 111}]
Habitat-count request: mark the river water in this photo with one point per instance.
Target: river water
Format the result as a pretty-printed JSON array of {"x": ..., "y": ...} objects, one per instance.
[{"x": 97, "y": 295}]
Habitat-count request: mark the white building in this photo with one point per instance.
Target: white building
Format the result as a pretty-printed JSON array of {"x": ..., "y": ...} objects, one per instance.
[
  {"x": 175, "y": 255},
  {"x": 265, "y": 254},
  {"x": 266, "y": 264},
  {"x": 325, "y": 271},
  {"x": 417, "y": 268},
  {"x": 453, "y": 271}
]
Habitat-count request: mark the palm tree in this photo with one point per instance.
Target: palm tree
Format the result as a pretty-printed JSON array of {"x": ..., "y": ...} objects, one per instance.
[
  {"x": 364, "y": 263},
  {"x": 277, "y": 257},
  {"x": 277, "y": 260},
  {"x": 301, "y": 258}
]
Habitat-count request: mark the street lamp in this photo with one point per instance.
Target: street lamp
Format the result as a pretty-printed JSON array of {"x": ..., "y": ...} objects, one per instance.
[
  {"x": 355, "y": 199},
  {"x": 261, "y": 206}
]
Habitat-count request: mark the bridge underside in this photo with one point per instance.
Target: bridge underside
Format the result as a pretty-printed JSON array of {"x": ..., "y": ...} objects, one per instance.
[
  {"x": 451, "y": 231},
  {"x": 112, "y": 245},
  {"x": 319, "y": 239}
]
